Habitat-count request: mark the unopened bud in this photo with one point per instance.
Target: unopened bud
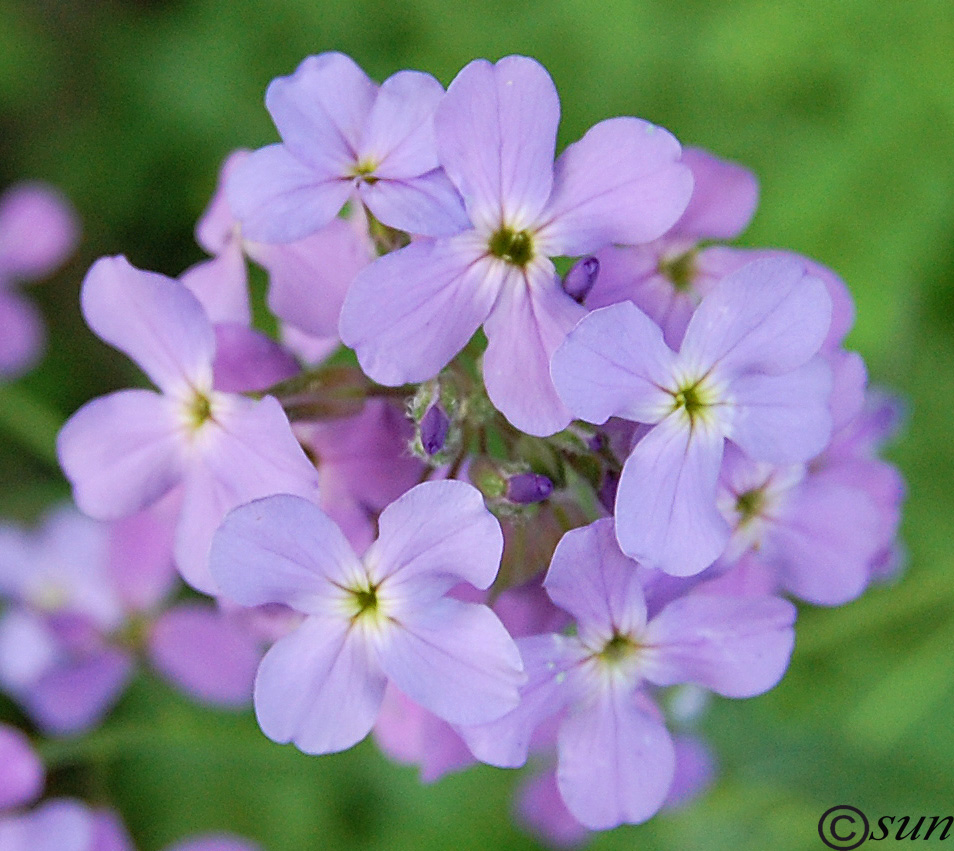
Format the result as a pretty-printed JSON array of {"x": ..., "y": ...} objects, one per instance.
[
  {"x": 434, "y": 427},
  {"x": 581, "y": 277},
  {"x": 527, "y": 488}
]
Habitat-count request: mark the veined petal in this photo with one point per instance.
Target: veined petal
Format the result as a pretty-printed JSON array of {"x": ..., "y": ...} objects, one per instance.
[
  {"x": 666, "y": 514},
  {"x": 410, "y": 312},
  {"x": 427, "y": 204},
  {"x": 319, "y": 687},
  {"x": 724, "y": 197},
  {"x": 121, "y": 452},
  {"x": 279, "y": 199},
  {"x": 615, "y": 363},
  {"x": 621, "y": 183},
  {"x": 736, "y": 646},
  {"x": 592, "y": 580},
  {"x": 153, "y": 319},
  {"x": 784, "y": 419},
  {"x": 440, "y": 531},
  {"x": 496, "y": 137},
  {"x": 526, "y": 326},
  {"x": 281, "y": 549},
  {"x": 321, "y": 111},
  {"x": 616, "y": 761},
  {"x": 770, "y": 316},
  {"x": 455, "y": 659}
]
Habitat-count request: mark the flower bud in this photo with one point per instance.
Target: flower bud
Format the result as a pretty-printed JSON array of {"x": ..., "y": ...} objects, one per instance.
[
  {"x": 527, "y": 488},
  {"x": 581, "y": 277},
  {"x": 434, "y": 427},
  {"x": 21, "y": 772}
]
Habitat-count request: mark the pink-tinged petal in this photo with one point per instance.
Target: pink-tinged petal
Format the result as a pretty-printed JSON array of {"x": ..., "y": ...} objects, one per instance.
[
  {"x": 621, "y": 183},
  {"x": 541, "y": 809},
  {"x": 75, "y": 696},
  {"x": 38, "y": 231},
  {"x": 454, "y": 659},
  {"x": 724, "y": 197},
  {"x": 122, "y": 452},
  {"x": 28, "y": 649},
  {"x": 666, "y": 514},
  {"x": 783, "y": 419},
  {"x": 506, "y": 742},
  {"x": 736, "y": 646},
  {"x": 496, "y": 136},
  {"x": 308, "y": 279},
  {"x": 21, "y": 772},
  {"x": 248, "y": 361},
  {"x": 695, "y": 772},
  {"x": 139, "y": 558},
  {"x": 109, "y": 832},
  {"x": 221, "y": 285},
  {"x": 215, "y": 842},
  {"x": 319, "y": 687},
  {"x": 308, "y": 349},
  {"x": 208, "y": 655},
  {"x": 321, "y": 111},
  {"x": 615, "y": 363},
  {"x": 592, "y": 580},
  {"x": 616, "y": 761},
  {"x": 410, "y": 312},
  {"x": 528, "y": 323},
  {"x": 153, "y": 319},
  {"x": 823, "y": 543},
  {"x": 279, "y": 199},
  {"x": 440, "y": 532},
  {"x": 409, "y": 734},
  {"x": 281, "y": 549},
  {"x": 22, "y": 334},
  {"x": 399, "y": 135},
  {"x": 250, "y": 452},
  {"x": 770, "y": 316},
  {"x": 428, "y": 204},
  {"x": 849, "y": 383},
  {"x": 60, "y": 824},
  {"x": 217, "y": 228}
]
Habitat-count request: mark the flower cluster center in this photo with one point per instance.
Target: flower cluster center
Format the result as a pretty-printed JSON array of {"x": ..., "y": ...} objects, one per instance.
[
  {"x": 749, "y": 504},
  {"x": 692, "y": 399},
  {"x": 363, "y": 172},
  {"x": 199, "y": 410},
  {"x": 618, "y": 649},
  {"x": 680, "y": 270},
  {"x": 515, "y": 247}
]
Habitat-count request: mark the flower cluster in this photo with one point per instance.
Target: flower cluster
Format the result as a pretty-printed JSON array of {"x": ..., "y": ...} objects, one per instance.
[{"x": 540, "y": 541}]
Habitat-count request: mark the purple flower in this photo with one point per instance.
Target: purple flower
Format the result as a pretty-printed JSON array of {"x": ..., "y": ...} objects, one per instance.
[
  {"x": 385, "y": 617},
  {"x": 344, "y": 137},
  {"x": 21, "y": 772},
  {"x": 616, "y": 760},
  {"x": 38, "y": 231},
  {"x": 410, "y": 312},
  {"x": 124, "y": 451},
  {"x": 745, "y": 371}
]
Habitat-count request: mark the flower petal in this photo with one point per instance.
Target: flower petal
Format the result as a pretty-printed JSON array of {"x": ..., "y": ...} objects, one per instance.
[
  {"x": 221, "y": 285},
  {"x": 428, "y": 204},
  {"x": 21, "y": 334},
  {"x": 621, "y": 183},
  {"x": 247, "y": 360},
  {"x": 724, "y": 197},
  {"x": 38, "y": 231},
  {"x": 21, "y": 772}
]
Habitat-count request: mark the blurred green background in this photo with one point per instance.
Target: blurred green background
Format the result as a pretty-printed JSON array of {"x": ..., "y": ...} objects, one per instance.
[{"x": 845, "y": 110}]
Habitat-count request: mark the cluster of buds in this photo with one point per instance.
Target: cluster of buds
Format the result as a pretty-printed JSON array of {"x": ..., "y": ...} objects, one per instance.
[{"x": 482, "y": 510}]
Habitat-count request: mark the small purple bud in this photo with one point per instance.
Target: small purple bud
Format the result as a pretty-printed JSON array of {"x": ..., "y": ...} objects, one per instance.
[
  {"x": 607, "y": 491},
  {"x": 527, "y": 488},
  {"x": 434, "y": 426},
  {"x": 21, "y": 772},
  {"x": 581, "y": 277}
]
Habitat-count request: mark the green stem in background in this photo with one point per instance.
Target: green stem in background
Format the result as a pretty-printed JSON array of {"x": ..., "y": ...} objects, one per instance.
[{"x": 30, "y": 422}]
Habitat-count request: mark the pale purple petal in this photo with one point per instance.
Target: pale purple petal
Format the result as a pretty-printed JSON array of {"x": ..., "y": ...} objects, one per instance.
[
  {"x": 308, "y": 279},
  {"x": 38, "y": 231},
  {"x": 621, "y": 183},
  {"x": 496, "y": 136},
  {"x": 122, "y": 452},
  {"x": 247, "y": 360},
  {"x": 592, "y": 580},
  {"x": 28, "y": 649},
  {"x": 221, "y": 285},
  {"x": 109, "y": 832},
  {"x": 724, "y": 197},
  {"x": 21, "y": 772},
  {"x": 427, "y": 204},
  {"x": 319, "y": 687},
  {"x": 455, "y": 659},
  {"x": 616, "y": 762},
  {"x": 615, "y": 363},
  {"x": 736, "y": 646},
  {"x": 321, "y": 111},
  {"x": 217, "y": 228},
  {"x": 770, "y": 316},
  {"x": 695, "y": 772},
  {"x": 528, "y": 323},
  {"x": 783, "y": 419},
  {"x": 279, "y": 199},
  {"x": 208, "y": 655},
  {"x": 153, "y": 319},
  {"x": 139, "y": 555},
  {"x": 59, "y": 824},
  {"x": 215, "y": 842},
  {"x": 849, "y": 383},
  {"x": 22, "y": 334},
  {"x": 410, "y": 312},
  {"x": 439, "y": 531},
  {"x": 541, "y": 809},
  {"x": 281, "y": 549},
  {"x": 666, "y": 514}
]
